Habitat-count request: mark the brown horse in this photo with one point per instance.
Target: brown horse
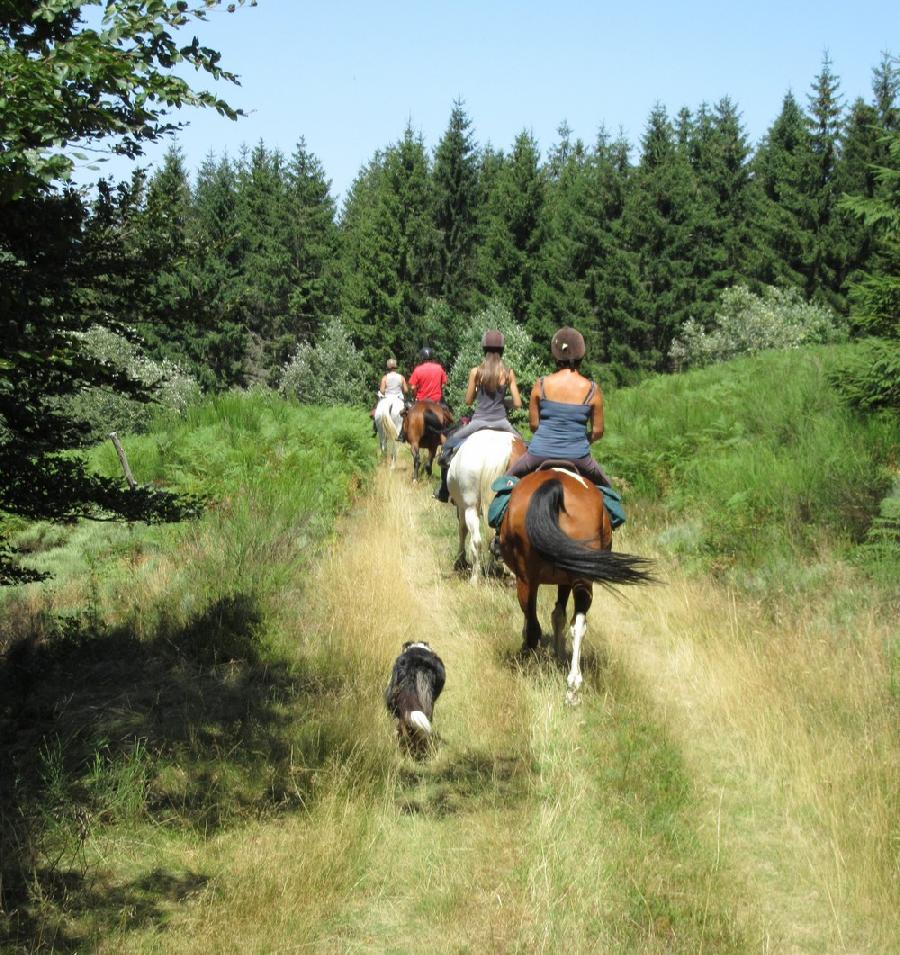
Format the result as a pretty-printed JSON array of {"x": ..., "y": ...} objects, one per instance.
[
  {"x": 556, "y": 531},
  {"x": 423, "y": 428}
]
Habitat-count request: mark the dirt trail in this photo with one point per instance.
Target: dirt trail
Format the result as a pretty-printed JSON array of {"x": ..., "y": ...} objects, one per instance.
[{"x": 629, "y": 824}]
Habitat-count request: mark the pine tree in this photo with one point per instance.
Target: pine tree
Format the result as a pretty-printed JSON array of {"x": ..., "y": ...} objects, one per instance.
[
  {"x": 828, "y": 262},
  {"x": 454, "y": 181},
  {"x": 219, "y": 341},
  {"x": 730, "y": 248},
  {"x": 312, "y": 243},
  {"x": 512, "y": 234},
  {"x": 390, "y": 250},
  {"x": 661, "y": 219},
  {"x": 264, "y": 286},
  {"x": 784, "y": 169}
]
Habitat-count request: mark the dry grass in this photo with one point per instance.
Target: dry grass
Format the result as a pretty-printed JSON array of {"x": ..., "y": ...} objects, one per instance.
[{"x": 728, "y": 785}]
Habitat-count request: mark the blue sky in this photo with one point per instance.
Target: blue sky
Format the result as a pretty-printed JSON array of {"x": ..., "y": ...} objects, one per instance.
[{"x": 348, "y": 75}]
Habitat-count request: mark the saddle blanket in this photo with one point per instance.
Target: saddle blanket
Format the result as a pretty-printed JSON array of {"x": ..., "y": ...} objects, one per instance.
[{"x": 503, "y": 486}]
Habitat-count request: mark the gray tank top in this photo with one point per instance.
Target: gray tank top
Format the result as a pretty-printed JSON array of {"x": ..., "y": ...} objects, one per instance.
[
  {"x": 489, "y": 405},
  {"x": 393, "y": 384}
]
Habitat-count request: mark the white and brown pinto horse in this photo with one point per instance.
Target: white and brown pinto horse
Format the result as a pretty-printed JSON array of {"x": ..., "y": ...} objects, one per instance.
[
  {"x": 556, "y": 531},
  {"x": 484, "y": 456}
]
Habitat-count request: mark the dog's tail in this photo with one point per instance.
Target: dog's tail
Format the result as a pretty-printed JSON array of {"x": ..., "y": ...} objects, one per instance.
[{"x": 417, "y": 723}]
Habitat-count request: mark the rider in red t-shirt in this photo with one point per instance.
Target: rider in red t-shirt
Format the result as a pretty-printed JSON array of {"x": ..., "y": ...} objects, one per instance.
[{"x": 428, "y": 379}]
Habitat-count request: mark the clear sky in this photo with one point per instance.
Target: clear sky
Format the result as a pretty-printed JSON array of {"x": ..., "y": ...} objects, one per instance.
[{"x": 348, "y": 75}]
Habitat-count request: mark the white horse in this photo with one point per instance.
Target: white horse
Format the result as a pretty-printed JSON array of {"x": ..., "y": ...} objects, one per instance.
[
  {"x": 483, "y": 457},
  {"x": 388, "y": 423}
]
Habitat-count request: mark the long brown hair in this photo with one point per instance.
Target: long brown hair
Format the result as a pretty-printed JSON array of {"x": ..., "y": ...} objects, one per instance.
[{"x": 492, "y": 372}]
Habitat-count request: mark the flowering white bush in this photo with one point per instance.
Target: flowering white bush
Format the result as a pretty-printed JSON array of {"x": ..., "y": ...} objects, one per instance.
[
  {"x": 330, "y": 372},
  {"x": 105, "y": 410},
  {"x": 746, "y": 323},
  {"x": 519, "y": 353}
]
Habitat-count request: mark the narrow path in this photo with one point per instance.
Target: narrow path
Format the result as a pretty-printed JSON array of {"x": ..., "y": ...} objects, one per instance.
[{"x": 642, "y": 821}]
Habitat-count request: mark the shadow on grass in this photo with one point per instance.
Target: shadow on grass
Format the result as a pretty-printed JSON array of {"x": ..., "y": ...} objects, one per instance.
[
  {"x": 460, "y": 783},
  {"x": 187, "y": 727}
]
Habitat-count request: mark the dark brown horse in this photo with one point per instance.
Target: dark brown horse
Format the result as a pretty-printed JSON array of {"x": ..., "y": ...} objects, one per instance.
[
  {"x": 423, "y": 429},
  {"x": 556, "y": 531}
]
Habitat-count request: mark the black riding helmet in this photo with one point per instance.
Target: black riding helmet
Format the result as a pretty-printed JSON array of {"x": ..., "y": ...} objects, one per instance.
[{"x": 425, "y": 354}]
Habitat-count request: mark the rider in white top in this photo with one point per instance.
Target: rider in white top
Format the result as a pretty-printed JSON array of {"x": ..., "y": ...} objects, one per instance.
[{"x": 391, "y": 390}]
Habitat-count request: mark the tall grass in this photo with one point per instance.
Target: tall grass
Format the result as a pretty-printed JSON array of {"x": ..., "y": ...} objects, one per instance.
[
  {"x": 752, "y": 464},
  {"x": 156, "y": 680}
]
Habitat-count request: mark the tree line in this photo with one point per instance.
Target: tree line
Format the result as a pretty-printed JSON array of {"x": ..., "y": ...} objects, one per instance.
[{"x": 227, "y": 273}]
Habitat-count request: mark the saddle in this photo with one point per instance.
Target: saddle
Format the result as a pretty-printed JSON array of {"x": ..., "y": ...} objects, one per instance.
[{"x": 503, "y": 486}]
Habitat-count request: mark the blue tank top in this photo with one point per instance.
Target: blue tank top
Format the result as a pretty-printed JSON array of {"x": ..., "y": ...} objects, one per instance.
[{"x": 561, "y": 431}]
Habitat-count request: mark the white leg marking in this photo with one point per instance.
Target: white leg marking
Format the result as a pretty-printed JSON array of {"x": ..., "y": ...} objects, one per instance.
[
  {"x": 418, "y": 722},
  {"x": 575, "y": 679}
]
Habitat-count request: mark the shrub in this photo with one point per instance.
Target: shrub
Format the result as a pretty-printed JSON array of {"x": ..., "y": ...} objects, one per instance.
[
  {"x": 106, "y": 410},
  {"x": 520, "y": 353},
  {"x": 330, "y": 372},
  {"x": 747, "y": 323}
]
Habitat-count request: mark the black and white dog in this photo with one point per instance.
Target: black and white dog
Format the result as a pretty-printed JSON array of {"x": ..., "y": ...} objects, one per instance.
[{"x": 416, "y": 683}]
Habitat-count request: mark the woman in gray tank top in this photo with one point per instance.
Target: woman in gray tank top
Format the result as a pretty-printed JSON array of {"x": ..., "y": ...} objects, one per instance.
[{"x": 487, "y": 388}]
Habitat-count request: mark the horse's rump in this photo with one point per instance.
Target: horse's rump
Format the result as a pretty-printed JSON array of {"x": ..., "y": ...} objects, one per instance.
[{"x": 588, "y": 557}]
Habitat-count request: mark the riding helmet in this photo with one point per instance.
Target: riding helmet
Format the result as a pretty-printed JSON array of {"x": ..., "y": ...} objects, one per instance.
[
  {"x": 492, "y": 340},
  {"x": 425, "y": 354},
  {"x": 391, "y": 364},
  {"x": 567, "y": 345}
]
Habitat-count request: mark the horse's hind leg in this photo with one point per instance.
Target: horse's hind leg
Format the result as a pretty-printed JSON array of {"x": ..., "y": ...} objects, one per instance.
[
  {"x": 583, "y": 598},
  {"x": 473, "y": 525},
  {"x": 416, "y": 461},
  {"x": 460, "y": 562},
  {"x": 558, "y": 619},
  {"x": 531, "y": 631}
]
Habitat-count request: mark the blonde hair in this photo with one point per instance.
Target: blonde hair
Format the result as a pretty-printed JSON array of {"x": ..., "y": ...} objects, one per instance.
[
  {"x": 391, "y": 364},
  {"x": 492, "y": 372}
]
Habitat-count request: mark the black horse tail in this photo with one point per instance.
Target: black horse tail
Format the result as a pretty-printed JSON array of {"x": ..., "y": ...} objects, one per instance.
[
  {"x": 547, "y": 537},
  {"x": 433, "y": 424}
]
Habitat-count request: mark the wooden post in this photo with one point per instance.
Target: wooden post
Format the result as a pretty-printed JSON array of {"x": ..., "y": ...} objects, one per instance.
[{"x": 129, "y": 477}]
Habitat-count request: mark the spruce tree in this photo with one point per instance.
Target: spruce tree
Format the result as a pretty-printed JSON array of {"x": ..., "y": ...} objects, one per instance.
[
  {"x": 390, "y": 245},
  {"x": 827, "y": 264},
  {"x": 511, "y": 229},
  {"x": 662, "y": 217},
  {"x": 783, "y": 166},
  {"x": 455, "y": 194},
  {"x": 312, "y": 243}
]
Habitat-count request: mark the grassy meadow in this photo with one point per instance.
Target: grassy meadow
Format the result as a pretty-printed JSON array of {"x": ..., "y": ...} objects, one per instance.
[{"x": 201, "y": 761}]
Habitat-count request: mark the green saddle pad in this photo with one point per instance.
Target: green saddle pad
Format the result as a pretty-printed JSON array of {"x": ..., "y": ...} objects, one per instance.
[{"x": 503, "y": 486}]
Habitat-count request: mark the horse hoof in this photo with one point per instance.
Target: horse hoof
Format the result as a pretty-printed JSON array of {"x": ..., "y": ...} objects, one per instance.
[{"x": 573, "y": 697}]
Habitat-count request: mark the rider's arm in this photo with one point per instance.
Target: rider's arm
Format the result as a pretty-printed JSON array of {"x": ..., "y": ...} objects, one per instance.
[
  {"x": 472, "y": 386},
  {"x": 403, "y": 385},
  {"x": 534, "y": 407},
  {"x": 514, "y": 391},
  {"x": 597, "y": 416},
  {"x": 382, "y": 387}
]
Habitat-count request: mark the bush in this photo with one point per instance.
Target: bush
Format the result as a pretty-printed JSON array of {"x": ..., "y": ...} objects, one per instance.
[
  {"x": 870, "y": 381},
  {"x": 105, "y": 410},
  {"x": 747, "y": 323},
  {"x": 520, "y": 353},
  {"x": 330, "y": 372}
]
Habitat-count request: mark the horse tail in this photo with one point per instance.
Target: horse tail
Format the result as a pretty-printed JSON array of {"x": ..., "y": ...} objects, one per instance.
[
  {"x": 493, "y": 467},
  {"x": 390, "y": 429},
  {"x": 604, "y": 567},
  {"x": 433, "y": 423}
]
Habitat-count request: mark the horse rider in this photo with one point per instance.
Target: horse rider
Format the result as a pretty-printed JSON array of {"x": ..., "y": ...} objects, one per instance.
[
  {"x": 428, "y": 378},
  {"x": 487, "y": 387},
  {"x": 391, "y": 391},
  {"x": 562, "y": 406}
]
